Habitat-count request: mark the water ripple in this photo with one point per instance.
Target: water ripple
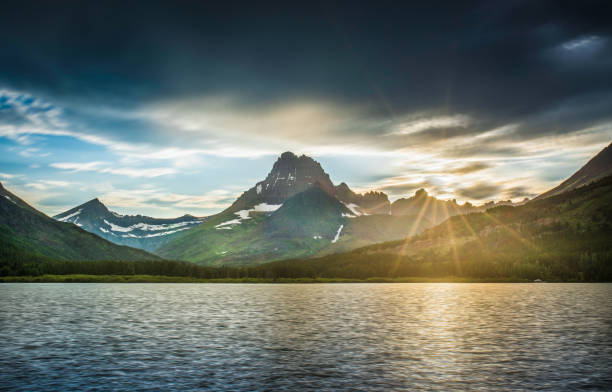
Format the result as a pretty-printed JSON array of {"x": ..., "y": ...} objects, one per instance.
[{"x": 192, "y": 337}]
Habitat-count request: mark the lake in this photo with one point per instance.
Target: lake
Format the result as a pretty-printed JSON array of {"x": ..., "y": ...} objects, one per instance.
[{"x": 161, "y": 337}]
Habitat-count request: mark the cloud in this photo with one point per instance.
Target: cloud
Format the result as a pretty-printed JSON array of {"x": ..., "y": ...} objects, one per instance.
[
  {"x": 471, "y": 168},
  {"x": 8, "y": 176},
  {"x": 24, "y": 115},
  {"x": 404, "y": 188},
  {"x": 583, "y": 42},
  {"x": 78, "y": 166},
  {"x": 519, "y": 192},
  {"x": 43, "y": 185},
  {"x": 479, "y": 191},
  {"x": 424, "y": 124},
  {"x": 105, "y": 167},
  {"x": 131, "y": 200}
]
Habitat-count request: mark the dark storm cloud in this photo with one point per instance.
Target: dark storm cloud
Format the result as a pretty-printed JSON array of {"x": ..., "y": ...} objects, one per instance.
[
  {"x": 471, "y": 168},
  {"x": 519, "y": 192},
  {"x": 479, "y": 191},
  {"x": 499, "y": 58}
]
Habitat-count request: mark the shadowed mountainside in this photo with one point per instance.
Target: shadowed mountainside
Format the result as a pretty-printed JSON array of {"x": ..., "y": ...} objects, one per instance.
[
  {"x": 137, "y": 231},
  {"x": 598, "y": 167},
  {"x": 26, "y": 233}
]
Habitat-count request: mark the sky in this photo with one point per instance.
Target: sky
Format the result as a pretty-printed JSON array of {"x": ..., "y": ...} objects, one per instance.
[{"x": 166, "y": 108}]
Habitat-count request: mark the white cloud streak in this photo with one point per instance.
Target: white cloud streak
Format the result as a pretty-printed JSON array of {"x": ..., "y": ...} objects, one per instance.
[
  {"x": 438, "y": 122},
  {"x": 105, "y": 167}
]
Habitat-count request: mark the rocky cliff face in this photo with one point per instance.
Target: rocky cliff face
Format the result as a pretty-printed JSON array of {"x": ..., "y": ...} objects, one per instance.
[{"x": 292, "y": 174}]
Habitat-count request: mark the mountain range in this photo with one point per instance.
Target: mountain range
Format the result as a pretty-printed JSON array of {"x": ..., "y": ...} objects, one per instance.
[
  {"x": 296, "y": 212},
  {"x": 563, "y": 234},
  {"x": 29, "y": 235},
  {"x": 132, "y": 230},
  {"x": 565, "y": 237}
]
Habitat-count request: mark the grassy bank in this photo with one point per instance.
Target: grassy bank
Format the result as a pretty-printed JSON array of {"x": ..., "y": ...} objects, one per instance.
[{"x": 80, "y": 278}]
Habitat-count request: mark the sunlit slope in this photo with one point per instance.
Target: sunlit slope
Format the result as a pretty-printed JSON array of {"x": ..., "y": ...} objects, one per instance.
[
  {"x": 309, "y": 223},
  {"x": 568, "y": 236},
  {"x": 28, "y": 234},
  {"x": 600, "y": 166}
]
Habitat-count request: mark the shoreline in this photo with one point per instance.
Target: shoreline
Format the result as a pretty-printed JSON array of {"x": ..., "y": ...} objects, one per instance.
[{"x": 81, "y": 278}]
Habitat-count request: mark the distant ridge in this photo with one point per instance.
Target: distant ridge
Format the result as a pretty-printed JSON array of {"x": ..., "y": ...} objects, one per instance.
[
  {"x": 137, "y": 231},
  {"x": 27, "y": 234},
  {"x": 598, "y": 167}
]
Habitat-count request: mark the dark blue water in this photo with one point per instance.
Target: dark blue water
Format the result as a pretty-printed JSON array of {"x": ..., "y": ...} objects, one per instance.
[{"x": 162, "y": 337}]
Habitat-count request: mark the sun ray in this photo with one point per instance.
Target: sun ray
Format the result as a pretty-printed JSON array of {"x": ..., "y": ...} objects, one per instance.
[
  {"x": 413, "y": 229},
  {"x": 453, "y": 241},
  {"x": 512, "y": 231},
  {"x": 468, "y": 225}
]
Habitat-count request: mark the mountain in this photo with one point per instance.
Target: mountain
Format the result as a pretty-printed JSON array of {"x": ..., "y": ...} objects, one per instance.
[
  {"x": 430, "y": 207},
  {"x": 560, "y": 238},
  {"x": 296, "y": 211},
  {"x": 367, "y": 204},
  {"x": 28, "y": 234},
  {"x": 598, "y": 167},
  {"x": 436, "y": 210},
  {"x": 137, "y": 231},
  {"x": 311, "y": 213},
  {"x": 290, "y": 175}
]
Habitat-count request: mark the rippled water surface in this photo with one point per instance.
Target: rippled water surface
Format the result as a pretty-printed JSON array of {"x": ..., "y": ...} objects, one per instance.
[{"x": 291, "y": 337}]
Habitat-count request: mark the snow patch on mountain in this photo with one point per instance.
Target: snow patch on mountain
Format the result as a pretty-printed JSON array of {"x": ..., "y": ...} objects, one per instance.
[
  {"x": 337, "y": 234},
  {"x": 65, "y": 218},
  {"x": 354, "y": 208},
  {"x": 224, "y": 225},
  {"x": 9, "y": 199},
  {"x": 244, "y": 214},
  {"x": 115, "y": 227},
  {"x": 263, "y": 207},
  {"x": 103, "y": 230},
  {"x": 148, "y": 227},
  {"x": 130, "y": 235}
]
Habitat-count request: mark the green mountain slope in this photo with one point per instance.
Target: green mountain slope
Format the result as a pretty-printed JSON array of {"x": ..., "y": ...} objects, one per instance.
[
  {"x": 308, "y": 214},
  {"x": 28, "y": 234},
  {"x": 296, "y": 211},
  {"x": 309, "y": 223},
  {"x": 564, "y": 237}
]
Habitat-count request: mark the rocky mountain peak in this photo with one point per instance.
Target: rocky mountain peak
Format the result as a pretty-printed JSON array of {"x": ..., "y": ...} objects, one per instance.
[
  {"x": 289, "y": 176},
  {"x": 421, "y": 193},
  {"x": 292, "y": 174},
  {"x": 93, "y": 206}
]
